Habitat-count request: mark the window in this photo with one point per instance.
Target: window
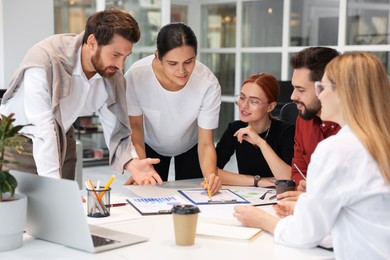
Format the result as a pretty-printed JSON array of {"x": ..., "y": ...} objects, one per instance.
[{"x": 242, "y": 37}]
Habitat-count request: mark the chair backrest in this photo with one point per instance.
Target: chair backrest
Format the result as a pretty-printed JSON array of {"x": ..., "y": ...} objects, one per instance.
[
  {"x": 286, "y": 89},
  {"x": 289, "y": 113}
]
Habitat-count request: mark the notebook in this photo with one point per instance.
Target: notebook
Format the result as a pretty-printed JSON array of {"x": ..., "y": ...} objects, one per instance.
[{"x": 55, "y": 213}]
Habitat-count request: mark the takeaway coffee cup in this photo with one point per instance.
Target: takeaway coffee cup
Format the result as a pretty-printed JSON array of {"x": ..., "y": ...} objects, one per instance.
[
  {"x": 284, "y": 185},
  {"x": 185, "y": 219}
]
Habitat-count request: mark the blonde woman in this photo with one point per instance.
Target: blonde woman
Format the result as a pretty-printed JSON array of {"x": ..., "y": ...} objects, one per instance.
[{"x": 348, "y": 182}]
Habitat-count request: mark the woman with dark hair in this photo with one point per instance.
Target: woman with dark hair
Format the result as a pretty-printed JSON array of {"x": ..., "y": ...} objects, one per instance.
[
  {"x": 263, "y": 145},
  {"x": 173, "y": 104}
]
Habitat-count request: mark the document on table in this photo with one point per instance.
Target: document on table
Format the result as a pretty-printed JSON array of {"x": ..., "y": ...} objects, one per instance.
[
  {"x": 155, "y": 205},
  {"x": 226, "y": 232},
  {"x": 255, "y": 195},
  {"x": 217, "y": 221},
  {"x": 201, "y": 197}
]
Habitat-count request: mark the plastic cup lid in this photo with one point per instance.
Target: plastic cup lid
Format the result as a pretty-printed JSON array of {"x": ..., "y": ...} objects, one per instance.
[
  {"x": 185, "y": 209},
  {"x": 285, "y": 183}
]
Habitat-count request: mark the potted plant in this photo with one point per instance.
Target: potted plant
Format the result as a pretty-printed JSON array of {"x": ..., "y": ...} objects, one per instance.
[{"x": 13, "y": 207}]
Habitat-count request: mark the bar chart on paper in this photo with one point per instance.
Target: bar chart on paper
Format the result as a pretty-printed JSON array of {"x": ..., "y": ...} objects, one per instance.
[{"x": 155, "y": 205}]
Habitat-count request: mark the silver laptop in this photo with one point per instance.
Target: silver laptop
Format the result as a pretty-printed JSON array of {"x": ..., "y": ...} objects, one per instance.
[{"x": 55, "y": 213}]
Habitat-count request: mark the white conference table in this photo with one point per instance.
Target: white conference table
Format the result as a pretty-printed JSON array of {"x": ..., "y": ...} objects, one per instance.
[{"x": 161, "y": 243}]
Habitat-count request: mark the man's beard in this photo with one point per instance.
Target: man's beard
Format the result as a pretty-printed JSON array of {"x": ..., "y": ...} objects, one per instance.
[
  {"x": 310, "y": 111},
  {"x": 98, "y": 64}
]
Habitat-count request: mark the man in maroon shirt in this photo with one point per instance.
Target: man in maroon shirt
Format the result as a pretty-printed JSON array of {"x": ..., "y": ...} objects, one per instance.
[{"x": 309, "y": 65}]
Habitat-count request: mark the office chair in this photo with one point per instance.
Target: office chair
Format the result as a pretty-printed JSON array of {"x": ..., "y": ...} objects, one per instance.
[{"x": 289, "y": 113}]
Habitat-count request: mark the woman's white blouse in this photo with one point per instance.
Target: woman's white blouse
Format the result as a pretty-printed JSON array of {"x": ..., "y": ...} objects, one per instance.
[
  {"x": 172, "y": 118},
  {"x": 346, "y": 196}
]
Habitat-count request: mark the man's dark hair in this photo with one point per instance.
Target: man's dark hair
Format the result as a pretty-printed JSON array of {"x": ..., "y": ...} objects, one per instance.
[
  {"x": 315, "y": 59},
  {"x": 105, "y": 24}
]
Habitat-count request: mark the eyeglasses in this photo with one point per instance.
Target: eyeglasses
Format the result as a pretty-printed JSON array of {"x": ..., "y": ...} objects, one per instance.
[
  {"x": 319, "y": 87},
  {"x": 240, "y": 99}
]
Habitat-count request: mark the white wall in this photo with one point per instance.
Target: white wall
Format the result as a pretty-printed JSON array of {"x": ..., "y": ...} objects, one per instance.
[{"x": 22, "y": 24}]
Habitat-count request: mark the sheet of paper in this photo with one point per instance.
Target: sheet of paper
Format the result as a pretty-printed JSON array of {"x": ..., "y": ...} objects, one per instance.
[
  {"x": 218, "y": 214},
  {"x": 200, "y": 196},
  {"x": 226, "y": 231},
  {"x": 116, "y": 215},
  {"x": 218, "y": 221},
  {"x": 147, "y": 190},
  {"x": 255, "y": 195},
  {"x": 156, "y": 205}
]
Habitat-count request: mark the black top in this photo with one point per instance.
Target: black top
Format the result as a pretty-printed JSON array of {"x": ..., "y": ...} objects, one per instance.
[{"x": 250, "y": 159}]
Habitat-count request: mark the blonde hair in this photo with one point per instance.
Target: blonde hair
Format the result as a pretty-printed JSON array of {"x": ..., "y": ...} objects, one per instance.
[{"x": 363, "y": 87}]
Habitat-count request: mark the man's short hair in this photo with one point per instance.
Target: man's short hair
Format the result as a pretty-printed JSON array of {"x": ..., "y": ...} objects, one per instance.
[
  {"x": 315, "y": 59},
  {"x": 105, "y": 24}
]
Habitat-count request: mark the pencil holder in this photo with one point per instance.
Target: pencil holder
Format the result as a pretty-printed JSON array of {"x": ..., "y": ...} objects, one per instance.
[{"x": 97, "y": 200}]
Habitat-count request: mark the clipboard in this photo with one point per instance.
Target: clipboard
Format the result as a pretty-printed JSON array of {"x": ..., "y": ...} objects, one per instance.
[
  {"x": 155, "y": 205},
  {"x": 224, "y": 196}
]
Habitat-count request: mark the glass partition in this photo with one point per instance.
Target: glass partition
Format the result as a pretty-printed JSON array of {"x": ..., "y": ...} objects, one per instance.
[
  {"x": 179, "y": 13},
  {"x": 260, "y": 32},
  {"x": 314, "y": 22},
  {"x": 223, "y": 67},
  {"x": 148, "y": 15},
  {"x": 71, "y": 16},
  {"x": 226, "y": 116},
  {"x": 261, "y": 62},
  {"x": 368, "y": 22},
  {"x": 262, "y": 23},
  {"x": 218, "y": 23}
]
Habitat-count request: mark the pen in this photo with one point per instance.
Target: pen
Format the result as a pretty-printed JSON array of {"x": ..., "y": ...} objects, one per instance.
[
  {"x": 296, "y": 167},
  {"x": 164, "y": 211},
  {"x": 272, "y": 197},
  {"x": 115, "y": 205},
  {"x": 263, "y": 196},
  {"x": 107, "y": 186},
  {"x": 208, "y": 189},
  {"x": 263, "y": 204}
]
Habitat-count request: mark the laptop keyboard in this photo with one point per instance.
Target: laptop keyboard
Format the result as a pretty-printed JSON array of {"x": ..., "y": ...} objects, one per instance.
[{"x": 102, "y": 241}]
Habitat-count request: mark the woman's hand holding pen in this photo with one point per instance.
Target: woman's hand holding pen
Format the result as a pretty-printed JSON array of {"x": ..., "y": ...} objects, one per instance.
[
  {"x": 302, "y": 186},
  {"x": 213, "y": 183}
]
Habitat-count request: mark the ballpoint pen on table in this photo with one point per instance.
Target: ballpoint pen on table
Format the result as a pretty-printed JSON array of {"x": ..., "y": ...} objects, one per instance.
[
  {"x": 263, "y": 196},
  {"x": 107, "y": 186},
  {"x": 116, "y": 205},
  {"x": 272, "y": 197},
  {"x": 208, "y": 189},
  {"x": 296, "y": 167}
]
